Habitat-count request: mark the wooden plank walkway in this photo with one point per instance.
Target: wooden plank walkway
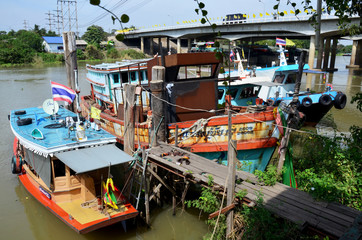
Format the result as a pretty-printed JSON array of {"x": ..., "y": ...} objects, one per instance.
[{"x": 294, "y": 205}]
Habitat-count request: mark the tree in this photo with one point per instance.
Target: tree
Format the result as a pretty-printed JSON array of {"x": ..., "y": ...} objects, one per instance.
[
  {"x": 94, "y": 35},
  {"x": 343, "y": 9}
]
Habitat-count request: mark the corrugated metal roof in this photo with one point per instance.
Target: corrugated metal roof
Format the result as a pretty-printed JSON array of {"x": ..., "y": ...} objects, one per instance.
[
  {"x": 55, "y": 40},
  {"x": 89, "y": 159}
]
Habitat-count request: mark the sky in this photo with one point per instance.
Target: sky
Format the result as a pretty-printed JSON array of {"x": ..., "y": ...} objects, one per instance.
[{"x": 18, "y": 14}]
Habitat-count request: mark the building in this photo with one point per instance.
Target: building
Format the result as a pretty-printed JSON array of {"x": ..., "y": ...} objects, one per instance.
[{"x": 53, "y": 44}]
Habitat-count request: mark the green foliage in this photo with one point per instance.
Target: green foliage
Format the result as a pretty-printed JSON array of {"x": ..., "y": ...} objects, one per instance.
[
  {"x": 92, "y": 52},
  {"x": 80, "y": 55},
  {"x": 331, "y": 169},
  {"x": 50, "y": 57},
  {"x": 94, "y": 35},
  {"x": 270, "y": 176},
  {"x": 357, "y": 99},
  {"x": 113, "y": 53},
  {"x": 132, "y": 54}
]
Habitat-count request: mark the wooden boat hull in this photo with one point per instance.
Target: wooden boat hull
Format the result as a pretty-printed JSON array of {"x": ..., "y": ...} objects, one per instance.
[{"x": 65, "y": 217}]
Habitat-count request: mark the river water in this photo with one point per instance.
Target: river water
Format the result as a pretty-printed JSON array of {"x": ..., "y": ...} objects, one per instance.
[{"x": 22, "y": 217}]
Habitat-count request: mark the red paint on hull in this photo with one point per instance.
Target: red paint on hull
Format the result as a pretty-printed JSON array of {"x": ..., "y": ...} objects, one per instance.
[{"x": 64, "y": 216}]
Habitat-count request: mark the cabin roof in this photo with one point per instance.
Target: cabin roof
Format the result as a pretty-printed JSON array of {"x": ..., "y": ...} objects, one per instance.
[{"x": 89, "y": 159}]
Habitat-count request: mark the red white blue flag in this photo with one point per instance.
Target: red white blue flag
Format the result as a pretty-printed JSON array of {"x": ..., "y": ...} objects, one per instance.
[
  {"x": 232, "y": 55},
  {"x": 281, "y": 42},
  {"x": 62, "y": 93}
]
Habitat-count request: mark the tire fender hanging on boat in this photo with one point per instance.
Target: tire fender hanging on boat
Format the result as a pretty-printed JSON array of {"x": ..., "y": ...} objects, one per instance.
[
  {"x": 16, "y": 164},
  {"x": 307, "y": 102},
  {"x": 340, "y": 100},
  {"x": 325, "y": 100}
]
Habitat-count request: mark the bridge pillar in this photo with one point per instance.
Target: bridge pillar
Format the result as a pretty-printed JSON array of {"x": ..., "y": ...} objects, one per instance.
[
  {"x": 333, "y": 55},
  {"x": 320, "y": 53},
  {"x": 151, "y": 45},
  {"x": 143, "y": 44},
  {"x": 178, "y": 45},
  {"x": 188, "y": 44},
  {"x": 356, "y": 59},
  {"x": 311, "y": 52},
  {"x": 327, "y": 49}
]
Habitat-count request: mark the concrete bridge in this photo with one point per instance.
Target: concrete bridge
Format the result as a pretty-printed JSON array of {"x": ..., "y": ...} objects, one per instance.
[{"x": 254, "y": 30}]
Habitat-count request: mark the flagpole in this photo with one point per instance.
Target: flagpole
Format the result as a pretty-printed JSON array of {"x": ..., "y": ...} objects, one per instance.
[
  {"x": 77, "y": 93},
  {"x": 51, "y": 89}
]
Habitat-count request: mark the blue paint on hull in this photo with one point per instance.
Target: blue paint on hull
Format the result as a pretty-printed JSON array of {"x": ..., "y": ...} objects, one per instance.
[{"x": 250, "y": 160}]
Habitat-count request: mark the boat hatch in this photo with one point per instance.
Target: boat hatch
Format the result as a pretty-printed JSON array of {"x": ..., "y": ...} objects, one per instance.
[{"x": 93, "y": 158}]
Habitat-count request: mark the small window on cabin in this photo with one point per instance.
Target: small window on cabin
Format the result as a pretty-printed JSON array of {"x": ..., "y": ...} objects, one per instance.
[
  {"x": 59, "y": 168},
  {"x": 60, "y": 47},
  {"x": 291, "y": 78},
  {"x": 279, "y": 78},
  {"x": 132, "y": 76},
  {"x": 142, "y": 75},
  {"x": 220, "y": 94},
  {"x": 192, "y": 72},
  {"x": 115, "y": 78},
  {"x": 124, "y": 77}
]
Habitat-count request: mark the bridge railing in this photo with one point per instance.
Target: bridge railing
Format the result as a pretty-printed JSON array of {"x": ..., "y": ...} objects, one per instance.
[{"x": 267, "y": 19}]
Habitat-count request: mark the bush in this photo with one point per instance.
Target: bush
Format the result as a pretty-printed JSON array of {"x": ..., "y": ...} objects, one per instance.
[
  {"x": 132, "y": 54},
  {"x": 80, "y": 55},
  {"x": 112, "y": 53},
  {"x": 93, "y": 53}
]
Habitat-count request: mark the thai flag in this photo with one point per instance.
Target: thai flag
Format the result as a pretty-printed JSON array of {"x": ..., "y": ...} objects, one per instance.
[
  {"x": 62, "y": 93},
  {"x": 232, "y": 55},
  {"x": 280, "y": 42}
]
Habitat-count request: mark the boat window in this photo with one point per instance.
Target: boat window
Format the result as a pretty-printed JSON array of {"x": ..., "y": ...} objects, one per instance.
[
  {"x": 124, "y": 76},
  {"x": 192, "y": 72},
  {"x": 249, "y": 92},
  {"x": 291, "y": 78},
  {"x": 232, "y": 92},
  {"x": 132, "y": 76},
  {"x": 115, "y": 78},
  {"x": 279, "y": 78},
  {"x": 220, "y": 93},
  {"x": 59, "y": 168}
]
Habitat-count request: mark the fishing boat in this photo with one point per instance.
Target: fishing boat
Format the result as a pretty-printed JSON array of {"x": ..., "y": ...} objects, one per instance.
[
  {"x": 280, "y": 87},
  {"x": 65, "y": 164},
  {"x": 192, "y": 115}
]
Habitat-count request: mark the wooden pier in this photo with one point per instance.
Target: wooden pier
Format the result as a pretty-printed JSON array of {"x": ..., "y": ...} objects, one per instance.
[{"x": 330, "y": 219}]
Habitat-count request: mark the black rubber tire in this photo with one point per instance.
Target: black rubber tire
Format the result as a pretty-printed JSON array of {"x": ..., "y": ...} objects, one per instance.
[
  {"x": 307, "y": 102},
  {"x": 14, "y": 169},
  {"x": 325, "y": 100},
  {"x": 340, "y": 101},
  {"x": 21, "y": 112},
  {"x": 24, "y": 121}
]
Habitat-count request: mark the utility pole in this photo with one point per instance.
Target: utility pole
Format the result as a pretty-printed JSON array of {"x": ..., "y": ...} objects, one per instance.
[
  {"x": 318, "y": 34},
  {"x": 25, "y": 25},
  {"x": 58, "y": 22},
  {"x": 68, "y": 10},
  {"x": 50, "y": 20}
]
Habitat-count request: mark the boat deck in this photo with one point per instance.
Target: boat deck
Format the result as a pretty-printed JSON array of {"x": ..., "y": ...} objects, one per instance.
[
  {"x": 292, "y": 204},
  {"x": 57, "y": 137}
]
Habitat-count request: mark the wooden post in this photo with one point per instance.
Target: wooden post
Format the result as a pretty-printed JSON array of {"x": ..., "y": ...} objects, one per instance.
[
  {"x": 173, "y": 196},
  {"x": 291, "y": 117},
  {"x": 129, "y": 117},
  {"x": 176, "y": 135},
  {"x": 231, "y": 185},
  {"x": 184, "y": 194},
  {"x": 145, "y": 182},
  {"x": 158, "y": 106},
  {"x": 70, "y": 58}
]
